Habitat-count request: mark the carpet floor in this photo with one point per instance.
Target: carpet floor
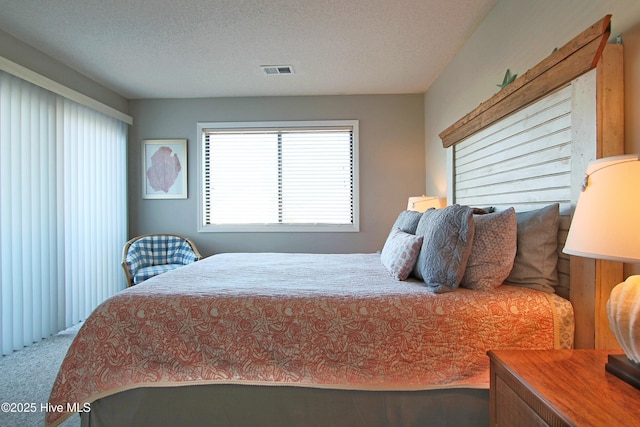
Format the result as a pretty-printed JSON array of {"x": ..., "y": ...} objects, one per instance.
[{"x": 26, "y": 378}]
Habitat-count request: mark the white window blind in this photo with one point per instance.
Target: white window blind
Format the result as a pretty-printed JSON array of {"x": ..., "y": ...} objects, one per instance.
[
  {"x": 279, "y": 176},
  {"x": 62, "y": 211}
]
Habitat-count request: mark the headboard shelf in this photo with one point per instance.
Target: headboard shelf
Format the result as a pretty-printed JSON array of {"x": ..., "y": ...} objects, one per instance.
[{"x": 578, "y": 56}]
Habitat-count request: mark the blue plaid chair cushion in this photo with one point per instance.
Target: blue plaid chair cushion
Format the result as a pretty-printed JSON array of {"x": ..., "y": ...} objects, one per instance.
[
  {"x": 148, "y": 272},
  {"x": 156, "y": 254}
]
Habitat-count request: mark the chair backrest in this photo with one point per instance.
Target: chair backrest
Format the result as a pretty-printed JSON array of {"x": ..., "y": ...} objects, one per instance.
[{"x": 157, "y": 249}]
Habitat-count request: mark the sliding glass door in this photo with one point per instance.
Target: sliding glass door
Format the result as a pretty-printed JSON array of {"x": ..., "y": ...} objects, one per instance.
[{"x": 62, "y": 211}]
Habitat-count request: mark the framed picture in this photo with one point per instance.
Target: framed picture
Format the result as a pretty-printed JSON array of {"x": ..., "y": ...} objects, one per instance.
[{"x": 164, "y": 168}]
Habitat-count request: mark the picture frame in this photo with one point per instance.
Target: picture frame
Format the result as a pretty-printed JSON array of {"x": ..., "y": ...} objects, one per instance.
[{"x": 164, "y": 169}]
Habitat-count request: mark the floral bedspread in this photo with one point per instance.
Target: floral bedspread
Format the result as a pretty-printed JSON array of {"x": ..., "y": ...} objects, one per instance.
[{"x": 330, "y": 321}]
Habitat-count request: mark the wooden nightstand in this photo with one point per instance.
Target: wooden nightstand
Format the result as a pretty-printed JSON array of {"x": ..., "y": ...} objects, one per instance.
[{"x": 559, "y": 388}]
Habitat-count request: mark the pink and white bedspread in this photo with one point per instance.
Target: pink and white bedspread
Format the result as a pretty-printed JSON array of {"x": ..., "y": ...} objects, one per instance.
[{"x": 330, "y": 321}]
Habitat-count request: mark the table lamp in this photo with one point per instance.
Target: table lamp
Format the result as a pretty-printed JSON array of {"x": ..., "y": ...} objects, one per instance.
[
  {"x": 423, "y": 203},
  {"x": 606, "y": 225}
]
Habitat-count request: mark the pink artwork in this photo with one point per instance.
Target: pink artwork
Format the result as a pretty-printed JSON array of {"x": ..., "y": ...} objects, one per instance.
[{"x": 165, "y": 167}]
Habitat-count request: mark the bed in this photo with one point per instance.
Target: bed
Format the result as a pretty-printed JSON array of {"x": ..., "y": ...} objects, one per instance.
[
  {"x": 326, "y": 339},
  {"x": 358, "y": 331},
  {"x": 395, "y": 338}
]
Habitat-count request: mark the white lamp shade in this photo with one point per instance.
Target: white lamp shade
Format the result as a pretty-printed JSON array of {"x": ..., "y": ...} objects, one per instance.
[
  {"x": 606, "y": 222},
  {"x": 423, "y": 203}
]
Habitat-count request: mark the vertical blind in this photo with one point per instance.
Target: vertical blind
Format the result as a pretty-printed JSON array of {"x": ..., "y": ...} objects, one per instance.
[
  {"x": 62, "y": 211},
  {"x": 282, "y": 176}
]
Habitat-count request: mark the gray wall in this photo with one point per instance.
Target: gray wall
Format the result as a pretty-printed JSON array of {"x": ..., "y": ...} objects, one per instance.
[{"x": 391, "y": 165}]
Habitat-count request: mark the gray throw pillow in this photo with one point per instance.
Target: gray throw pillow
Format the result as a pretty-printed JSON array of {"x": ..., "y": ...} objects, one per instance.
[
  {"x": 536, "y": 261},
  {"x": 446, "y": 245},
  {"x": 493, "y": 250},
  {"x": 407, "y": 221}
]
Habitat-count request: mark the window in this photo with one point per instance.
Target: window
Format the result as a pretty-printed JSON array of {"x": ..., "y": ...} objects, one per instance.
[{"x": 279, "y": 176}]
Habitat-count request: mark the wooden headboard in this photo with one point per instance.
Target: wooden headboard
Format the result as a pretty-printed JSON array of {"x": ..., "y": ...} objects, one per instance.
[{"x": 529, "y": 146}]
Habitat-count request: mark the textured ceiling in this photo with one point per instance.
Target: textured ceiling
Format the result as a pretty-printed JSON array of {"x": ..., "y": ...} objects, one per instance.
[{"x": 213, "y": 48}]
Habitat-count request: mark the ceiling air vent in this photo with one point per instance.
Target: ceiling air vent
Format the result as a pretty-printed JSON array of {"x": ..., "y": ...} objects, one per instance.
[{"x": 273, "y": 70}]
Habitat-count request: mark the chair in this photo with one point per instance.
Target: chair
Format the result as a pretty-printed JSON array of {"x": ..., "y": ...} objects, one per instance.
[{"x": 151, "y": 254}]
